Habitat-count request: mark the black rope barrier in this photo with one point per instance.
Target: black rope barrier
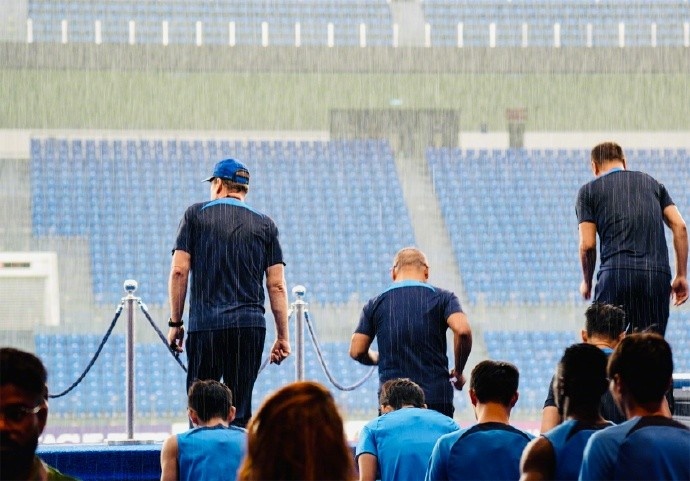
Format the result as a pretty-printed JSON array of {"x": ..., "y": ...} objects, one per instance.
[
  {"x": 324, "y": 366},
  {"x": 162, "y": 337},
  {"x": 118, "y": 311},
  {"x": 164, "y": 340}
]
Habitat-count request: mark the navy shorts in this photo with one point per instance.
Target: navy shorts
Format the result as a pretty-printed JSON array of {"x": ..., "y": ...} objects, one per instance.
[{"x": 643, "y": 295}]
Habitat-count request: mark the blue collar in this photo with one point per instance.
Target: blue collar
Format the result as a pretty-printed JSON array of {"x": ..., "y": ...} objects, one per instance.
[
  {"x": 230, "y": 201},
  {"x": 399, "y": 284}
]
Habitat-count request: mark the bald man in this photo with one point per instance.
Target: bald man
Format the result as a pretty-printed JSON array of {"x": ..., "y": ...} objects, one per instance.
[{"x": 410, "y": 319}]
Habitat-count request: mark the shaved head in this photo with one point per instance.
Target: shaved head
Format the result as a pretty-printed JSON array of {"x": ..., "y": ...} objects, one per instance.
[{"x": 410, "y": 256}]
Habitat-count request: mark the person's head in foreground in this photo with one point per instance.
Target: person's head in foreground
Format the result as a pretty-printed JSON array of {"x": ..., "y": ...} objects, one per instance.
[
  {"x": 494, "y": 382},
  {"x": 297, "y": 434},
  {"x": 209, "y": 400},
  {"x": 641, "y": 371},
  {"x": 580, "y": 379},
  {"x": 23, "y": 411},
  {"x": 401, "y": 392}
]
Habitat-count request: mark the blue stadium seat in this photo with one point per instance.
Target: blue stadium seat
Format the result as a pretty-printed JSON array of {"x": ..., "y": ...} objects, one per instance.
[
  {"x": 501, "y": 230},
  {"x": 346, "y": 15},
  {"x": 191, "y": 160}
]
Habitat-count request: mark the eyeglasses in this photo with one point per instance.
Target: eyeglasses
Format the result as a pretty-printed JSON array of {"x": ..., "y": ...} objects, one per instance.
[{"x": 16, "y": 413}]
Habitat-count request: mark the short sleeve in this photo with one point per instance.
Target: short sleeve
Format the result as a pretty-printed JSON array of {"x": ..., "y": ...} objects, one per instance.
[
  {"x": 183, "y": 241},
  {"x": 274, "y": 250},
  {"x": 367, "y": 442},
  {"x": 583, "y": 206},
  {"x": 453, "y": 305},
  {"x": 664, "y": 197},
  {"x": 366, "y": 321}
]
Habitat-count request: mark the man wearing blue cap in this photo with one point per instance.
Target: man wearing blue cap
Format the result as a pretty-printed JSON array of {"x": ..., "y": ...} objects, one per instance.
[{"x": 228, "y": 247}]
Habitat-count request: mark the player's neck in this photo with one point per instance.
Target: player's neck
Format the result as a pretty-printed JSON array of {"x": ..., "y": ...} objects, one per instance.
[
  {"x": 587, "y": 415},
  {"x": 215, "y": 422},
  {"x": 601, "y": 342},
  {"x": 633, "y": 409},
  {"x": 409, "y": 274},
  {"x": 492, "y": 413},
  {"x": 611, "y": 166},
  {"x": 409, "y": 277}
]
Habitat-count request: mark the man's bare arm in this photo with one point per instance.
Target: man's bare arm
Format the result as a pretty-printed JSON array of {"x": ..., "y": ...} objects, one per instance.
[
  {"x": 462, "y": 345},
  {"x": 177, "y": 283},
  {"x": 549, "y": 419},
  {"x": 368, "y": 465},
  {"x": 177, "y": 292},
  {"x": 277, "y": 295},
  {"x": 588, "y": 256},
  {"x": 360, "y": 352},
  {"x": 679, "y": 285},
  {"x": 169, "y": 450},
  {"x": 538, "y": 461}
]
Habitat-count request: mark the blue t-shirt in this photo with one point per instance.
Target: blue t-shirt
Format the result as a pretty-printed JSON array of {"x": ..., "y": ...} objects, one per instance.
[
  {"x": 648, "y": 447},
  {"x": 402, "y": 441},
  {"x": 627, "y": 209},
  {"x": 568, "y": 440},
  {"x": 409, "y": 320},
  {"x": 211, "y": 453},
  {"x": 485, "y": 451},
  {"x": 231, "y": 245}
]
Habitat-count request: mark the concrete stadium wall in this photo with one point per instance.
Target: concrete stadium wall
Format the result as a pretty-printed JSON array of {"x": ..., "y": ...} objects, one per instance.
[{"x": 345, "y": 59}]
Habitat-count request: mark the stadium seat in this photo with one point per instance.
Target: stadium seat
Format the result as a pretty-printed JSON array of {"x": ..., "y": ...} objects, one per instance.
[{"x": 330, "y": 196}]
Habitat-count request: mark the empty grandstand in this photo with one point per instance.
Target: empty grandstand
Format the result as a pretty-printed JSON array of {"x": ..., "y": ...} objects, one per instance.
[
  {"x": 509, "y": 214},
  {"x": 342, "y": 207},
  {"x": 485, "y": 23},
  {"x": 115, "y": 110},
  {"x": 512, "y": 212}
]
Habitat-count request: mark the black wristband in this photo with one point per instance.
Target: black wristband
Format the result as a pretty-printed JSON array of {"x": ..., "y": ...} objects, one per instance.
[{"x": 175, "y": 324}]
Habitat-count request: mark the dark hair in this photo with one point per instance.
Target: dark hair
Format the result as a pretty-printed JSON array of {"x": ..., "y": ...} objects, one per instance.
[
  {"x": 297, "y": 434},
  {"x": 583, "y": 374},
  {"x": 210, "y": 399},
  {"x": 24, "y": 370},
  {"x": 605, "y": 320},
  {"x": 494, "y": 381},
  {"x": 644, "y": 364},
  {"x": 400, "y": 392},
  {"x": 233, "y": 186},
  {"x": 607, "y": 151}
]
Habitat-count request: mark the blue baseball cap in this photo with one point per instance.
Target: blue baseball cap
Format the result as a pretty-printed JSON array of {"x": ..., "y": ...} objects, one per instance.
[{"x": 228, "y": 169}]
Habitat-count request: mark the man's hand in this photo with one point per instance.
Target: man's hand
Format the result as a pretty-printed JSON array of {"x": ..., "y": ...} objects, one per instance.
[
  {"x": 176, "y": 338},
  {"x": 280, "y": 350},
  {"x": 586, "y": 290},
  {"x": 458, "y": 380},
  {"x": 679, "y": 290}
]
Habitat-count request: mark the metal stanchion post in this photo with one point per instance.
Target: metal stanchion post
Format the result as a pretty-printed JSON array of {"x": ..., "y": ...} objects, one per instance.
[
  {"x": 299, "y": 306},
  {"x": 130, "y": 301}
]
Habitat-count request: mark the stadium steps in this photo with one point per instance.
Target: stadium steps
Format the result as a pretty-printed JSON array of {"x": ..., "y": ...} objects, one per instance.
[
  {"x": 409, "y": 16},
  {"x": 427, "y": 221},
  {"x": 433, "y": 239}
]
